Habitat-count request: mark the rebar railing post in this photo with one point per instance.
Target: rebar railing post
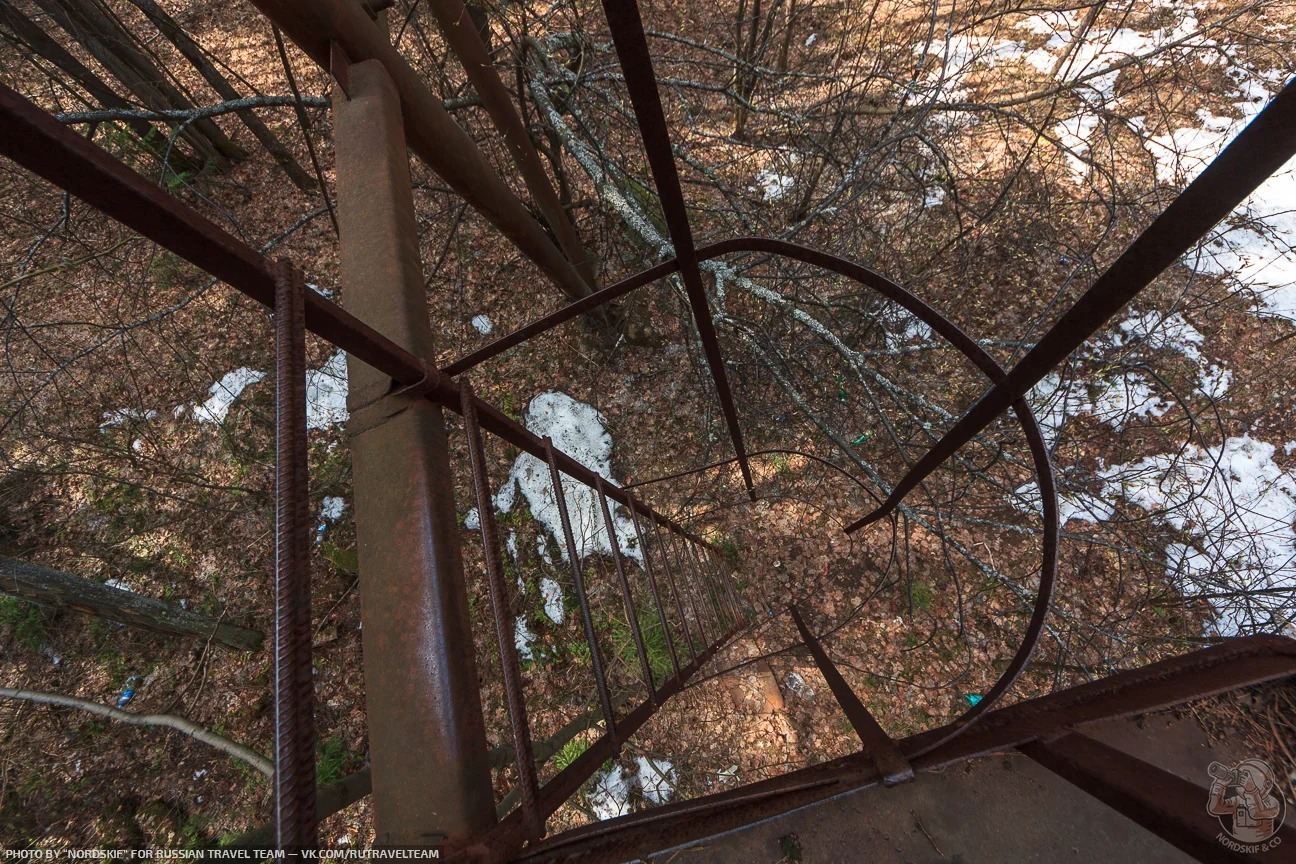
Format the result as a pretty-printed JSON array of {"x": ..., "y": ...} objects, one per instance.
[
  {"x": 631, "y": 613},
  {"x": 582, "y": 598},
  {"x": 294, "y": 687},
  {"x": 523, "y": 750},
  {"x": 652, "y": 583},
  {"x": 670, "y": 578}
]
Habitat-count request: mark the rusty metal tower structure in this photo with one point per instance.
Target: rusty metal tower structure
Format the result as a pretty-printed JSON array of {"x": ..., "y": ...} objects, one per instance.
[{"x": 429, "y": 775}]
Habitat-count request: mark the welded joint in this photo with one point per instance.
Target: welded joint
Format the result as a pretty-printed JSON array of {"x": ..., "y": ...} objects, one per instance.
[{"x": 376, "y": 412}]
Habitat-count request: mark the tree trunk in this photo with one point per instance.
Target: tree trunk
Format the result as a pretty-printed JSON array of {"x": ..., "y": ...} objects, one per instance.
[
  {"x": 194, "y": 54},
  {"x": 110, "y": 45},
  {"x": 40, "y": 42},
  {"x": 64, "y": 591}
]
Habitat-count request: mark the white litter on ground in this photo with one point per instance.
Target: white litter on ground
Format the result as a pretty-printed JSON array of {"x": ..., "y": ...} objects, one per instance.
[
  {"x": 1237, "y": 508},
  {"x": 797, "y": 686},
  {"x": 578, "y": 430},
  {"x": 331, "y": 508},
  {"x": 810, "y": 40},
  {"x": 119, "y": 585},
  {"x": 326, "y": 393},
  {"x": 482, "y": 324},
  {"x": 1080, "y": 506},
  {"x": 523, "y": 637},
  {"x": 222, "y": 395},
  {"x": 609, "y": 795},
  {"x": 123, "y": 415},
  {"x": 656, "y": 779},
  {"x": 552, "y": 594},
  {"x": 773, "y": 185}
]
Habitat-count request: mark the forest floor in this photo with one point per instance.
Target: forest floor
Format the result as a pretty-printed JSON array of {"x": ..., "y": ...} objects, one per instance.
[{"x": 138, "y": 446}]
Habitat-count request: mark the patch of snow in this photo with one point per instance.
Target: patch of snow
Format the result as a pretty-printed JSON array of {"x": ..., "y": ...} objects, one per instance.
[
  {"x": 934, "y": 197},
  {"x": 773, "y": 185},
  {"x": 123, "y": 415},
  {"x": 810, "y": 40},
  {"x": 523, "y": 637},
  {"x": 331, "y": 508},
  {"x": 1289, "y": 448},
  {"x": 1214, "y": 381},
  {"x": 542, "y": 549},
  {"x": 482, "y": 324},
  {"x": 552, "y": 594},
  {"x": 323, "y": 292},
  {"x": 119, "y": 584},
  {"x": 1237, "y": 508},
  {"x": 1115, "y": 400},
  {"x": 656, "y": 779},
  {"x": 472, "y": 520},
  {"x": 1073, "y": 135},
  {"x": 222, "y": 395},
  {"x": 609, "y": 796},
  {"x": 511, "y": 545},
  {"x": 1080, "y": 506},
  {"x": 326, "y": 393},
  {"x": 200, "y": 773},
  {"x": 578, "y": 430}
]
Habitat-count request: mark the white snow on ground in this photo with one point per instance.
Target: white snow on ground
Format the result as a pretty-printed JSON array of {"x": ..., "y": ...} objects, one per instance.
[
  {"x": 222, "y": 395},
  {"x": 1154, "y": 331},
  {"x": 119, "y": 584},
  {"x": 656, "y": 779},
  {"x": 1115, "y": 400},
  {"x": 1237, "y": 507},
  {"x": 578, "y": 430},
  {"x": 773, "y": 185},
  {"x": 902, "y": 327},
  {"x": 1073, "y": 134},
  {"x": 472, "y": 520},
  {"x": 482, "y": 324},
  {"x": 122, "y": 415},
  {"x": 326, "y": 393},
  {"x": 810, "y": 40},
  {"x": 331, "y": 508},
  {"x": 552, "y": 594},
  {"x": 523, "y": 637},
  {"x": 609, "y": 795},
  {"x": 511, "y": 545},
  {"x": 1071, "y": 505}
]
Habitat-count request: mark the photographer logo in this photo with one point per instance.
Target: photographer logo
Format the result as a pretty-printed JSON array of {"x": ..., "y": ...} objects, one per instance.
[{"x": 1248, "y": 803}]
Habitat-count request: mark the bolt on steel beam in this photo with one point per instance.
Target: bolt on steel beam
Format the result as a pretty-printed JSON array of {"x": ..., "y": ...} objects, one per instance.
[
  {"x": 1258, "y": 151},
  {"x": 427, "y": 741},
  {"x": 294, "y": 687}
]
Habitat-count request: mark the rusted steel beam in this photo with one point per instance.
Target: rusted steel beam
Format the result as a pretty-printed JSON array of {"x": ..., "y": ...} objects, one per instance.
[
  {"x": 627, "y": 595},
  {"x": 1238, "y": 663},
  {"x": 652, "y": 583},
  {"x": 636, "y": 64},
  {"x": 1169, "y": 806},
  {"x": 294, "y": 688},
  {"x": 433, "y": 134},
  {"x": 501, "y": 607},
  {"x": 1258, "y": 151},
  {"x": 582, "y": 599},
  {"x": 879, "y": 747},
  {"x": 461, "y": 35},
  {"x": 427, "y": 741}
]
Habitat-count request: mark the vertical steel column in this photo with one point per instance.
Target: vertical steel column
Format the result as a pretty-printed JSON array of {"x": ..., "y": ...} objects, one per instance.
[
  {"x": 294, "y": 689},
  {"x": 427, "y": 744},
  {"x": 652, "y": 582}
]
